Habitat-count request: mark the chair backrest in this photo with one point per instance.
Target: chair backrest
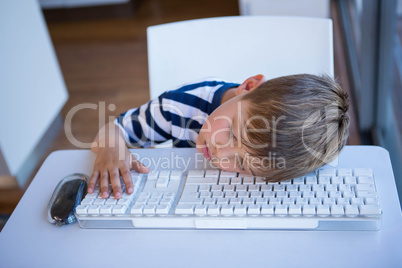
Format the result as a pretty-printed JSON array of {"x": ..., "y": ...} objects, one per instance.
[{"x": 235, "y": 48}]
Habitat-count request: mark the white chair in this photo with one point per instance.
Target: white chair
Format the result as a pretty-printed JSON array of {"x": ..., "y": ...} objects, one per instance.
[{"x": 235, "y": 48}]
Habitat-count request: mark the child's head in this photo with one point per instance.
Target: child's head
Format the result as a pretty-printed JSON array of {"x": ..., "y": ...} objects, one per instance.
[{"x": 281, "y": 129}]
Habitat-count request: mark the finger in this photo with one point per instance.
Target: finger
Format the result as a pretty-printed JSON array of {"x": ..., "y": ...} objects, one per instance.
[
  {"x": 104, "y": 184},
  {"x": 126, "y": 174},
  {"x": 115, "y": 180},
  {"x": 139, "y": 167},
  {"x": 93, "y": 181}
]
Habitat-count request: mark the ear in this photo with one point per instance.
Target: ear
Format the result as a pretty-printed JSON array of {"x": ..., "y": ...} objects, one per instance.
[{"x": 250, "y": 84}]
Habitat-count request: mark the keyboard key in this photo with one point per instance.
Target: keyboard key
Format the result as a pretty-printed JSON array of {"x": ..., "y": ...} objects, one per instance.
[
  {"x": 254, "y": 210},
  {"x": 351, "y": 210},
  {"x": 200, "y": 210},
  {"x": 106, "y": 210},
  {"x": 365, "y": 180},
  {"x": 164, "y": 174},
  {"x": 176, "y": 175},
  {"x": 111, "y": 201},
  {"x": 342, "y": 201},
  {"x": 87, "y": 201},
  {"x": 235, "y": 201},
  {"x": 261, "y": 201},
  {"x": 195, "y": 174},
  {"x": 197, "y": 180},
  {"x": 288, "y": 201},
  {"x": 365, "y": 187},
  {"x": 292, "y": 187},
  {"x": 344, "y": 172},
  {"x": 301, "y": 201},
  {"x": 222, "y": 201},
  {"x": 190, "y": 200},
  {"x": 337, "y": 210},
  {"x": 305, "y": 188},
  {"x": 348, "y": 194},
  {"x": 298, "y": 180},
  {"x": 323, "y": 210},
  {"x": 371, "y": 201},
  {"x": 162, "y": 183},
  {"x": 119, "y": 209},
  {"x": 357, "y": 201},
  {"x": 136, "y": 209},
  {"x": 94, "y": 209},
  {"x": 213, "y": 210},
  {"x": 224, "y": 181},
  {"x": 149, "y": 209},
  {"x": 248, "y": 180},
  {"x": 336, "y": 180},
  {"x": 295, "y": 210},
  {"x": 309, "y": 210},
  {"x": 212, "y": 173},
  {"x": 311, "y": 180},
  {"x": 209, "y": 201},
  {"x": 363, "y": 172},
  {"x": 228, "y": 174},
  {"x": 92, "y": 195},
  {"x": 241, "y": 188},
  {"x": 281, "y": 209},
  {"x": 127, "y": 196},
  {"x": 236, "y": 180},
  {"x": 370, "y": 210},
  {"x": 366, "y": 194},
  {"x": 81, "y": 210},
  {"x": 153, "y": 175},
  {"x": 329, "y": 201},
  {"x": 253, "y": 188},
  {"x": 267, "y": 210},
  {"x": 327, "y": 172},
  {"x": 274, "y": 201},
  {"x": 216, "y": 188},
  {"x": 227, "y": 210},
  {"x": 295, "y": 194},
  {"x": 281, "y": 194},
  {"x": 308, "y": 195},
  {"x": 240, "y": 210},
  {"x": 166, "y": 201},
  {"x": 248, "y": 201},
  {"x": 324, "y": 180},
  {"x": 350, "y": 180},
  {"x": 260, "y": 180},
  {"x": 162, "y": 209}
]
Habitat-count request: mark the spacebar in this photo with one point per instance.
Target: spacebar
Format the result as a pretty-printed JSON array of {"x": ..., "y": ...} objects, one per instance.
[
  {"x": 221, "y": 224},
  {"x": 270, "y": 223}
]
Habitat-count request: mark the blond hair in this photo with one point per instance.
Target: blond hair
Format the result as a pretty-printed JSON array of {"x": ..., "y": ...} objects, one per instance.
[{"x": 308, "y": 125}]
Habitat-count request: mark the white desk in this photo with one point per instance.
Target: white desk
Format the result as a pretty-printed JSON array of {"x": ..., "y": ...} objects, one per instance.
[{"x": 28, "y": 240}]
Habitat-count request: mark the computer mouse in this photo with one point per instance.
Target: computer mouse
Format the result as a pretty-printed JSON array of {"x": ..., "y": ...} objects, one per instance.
[{"x": 66, "y": 197}]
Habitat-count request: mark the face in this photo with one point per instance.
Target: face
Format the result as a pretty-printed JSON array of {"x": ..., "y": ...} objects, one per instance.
[{"x": 219, "y": 139}]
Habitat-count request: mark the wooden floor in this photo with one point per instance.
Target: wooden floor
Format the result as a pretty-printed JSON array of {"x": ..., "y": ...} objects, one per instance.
[{"x": 104, "y": 61}]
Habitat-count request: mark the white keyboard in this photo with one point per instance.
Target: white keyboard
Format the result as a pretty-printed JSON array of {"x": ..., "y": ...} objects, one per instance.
[{"x": 329, "y": 199}]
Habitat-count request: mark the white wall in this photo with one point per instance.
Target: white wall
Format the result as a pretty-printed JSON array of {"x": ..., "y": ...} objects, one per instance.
[
  {"x": 303, "y": 8},
  {"x": 77, "y": 3},
  {"x": 32, "y": 89}
]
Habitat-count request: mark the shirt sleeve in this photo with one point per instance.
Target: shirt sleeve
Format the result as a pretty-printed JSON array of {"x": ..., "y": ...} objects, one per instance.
[
  {"x": 176, "y": 115},
  {"x": 146, "y": 125}
]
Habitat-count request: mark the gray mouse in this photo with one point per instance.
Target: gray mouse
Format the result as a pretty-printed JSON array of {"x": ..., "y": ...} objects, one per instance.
[{"x": 66, "y": 197}]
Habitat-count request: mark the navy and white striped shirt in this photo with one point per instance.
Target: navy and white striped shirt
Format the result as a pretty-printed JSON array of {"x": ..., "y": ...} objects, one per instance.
[{"x": 176, "y": 114}]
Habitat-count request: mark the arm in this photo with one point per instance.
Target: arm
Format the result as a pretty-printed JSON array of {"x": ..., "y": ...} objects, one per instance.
[{"x": 112, "y": 161}]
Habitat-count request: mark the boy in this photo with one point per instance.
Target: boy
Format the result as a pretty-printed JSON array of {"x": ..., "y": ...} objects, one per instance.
[{"x": 279, "y": 129}]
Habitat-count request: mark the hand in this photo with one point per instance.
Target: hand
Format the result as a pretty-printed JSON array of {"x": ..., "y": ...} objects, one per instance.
[{"x": 111, "y": 163}]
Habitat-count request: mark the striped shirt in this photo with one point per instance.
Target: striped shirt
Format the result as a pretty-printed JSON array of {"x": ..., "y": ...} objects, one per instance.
[{"x": 176, "y": 114}]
